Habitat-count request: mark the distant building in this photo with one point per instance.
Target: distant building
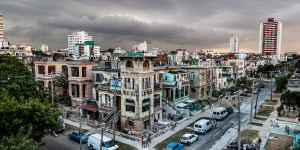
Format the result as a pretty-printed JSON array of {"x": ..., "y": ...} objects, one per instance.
[
  {"x": 87, "y": 50},
  {"x": 44, "y": 48},
  {"x": 270, "y": 37},
  {"x": 234, "y": 44},
  {"x": 142, "y": 47},
  {"x": 78, "y": 37}
]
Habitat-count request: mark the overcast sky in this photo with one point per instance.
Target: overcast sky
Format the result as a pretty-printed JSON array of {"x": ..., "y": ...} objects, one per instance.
[{"x": 166, "y": 24}]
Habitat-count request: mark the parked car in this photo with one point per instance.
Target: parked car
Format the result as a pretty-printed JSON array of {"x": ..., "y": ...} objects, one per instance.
[
  {"x": 61, "y": 124},
  {"x": 188, "y": 138},
  {"x": 174, "y": 146},
  {"x": 94, "y": 143},
  {"x": 203, "y": 126},
  {"x": 76, "y": 136},
  {"x": 249, "y": 145},
  {"x": 255, "y": 91},
  {"x": 229, "y": 110},
  {"x": 219, "y": 113}
]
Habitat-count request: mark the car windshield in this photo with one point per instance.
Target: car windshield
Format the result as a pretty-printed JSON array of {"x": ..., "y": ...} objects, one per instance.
[
  {"x": 184, "y": 138},
  {"x": 109, "y": 143}
]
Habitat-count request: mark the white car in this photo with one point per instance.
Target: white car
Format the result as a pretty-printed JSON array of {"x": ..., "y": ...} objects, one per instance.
[{"x": 188, "y": 138}]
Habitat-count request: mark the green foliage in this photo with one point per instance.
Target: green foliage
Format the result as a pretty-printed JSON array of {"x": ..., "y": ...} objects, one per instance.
[
  {"x": 62, "y": 81},
  {"x": 20, "y": 141},
  {"x": 57, "y": 56},
  {"x": 67, "y": 100},
  {"x": 291, "y": 99},
  {"x": 266, "y": 69},
  {"x": 244, "y": 83},
  {"x": 281, "y": 83},
  {"x": 16, "y": 78},
  {"x": 29, "y": 113}
]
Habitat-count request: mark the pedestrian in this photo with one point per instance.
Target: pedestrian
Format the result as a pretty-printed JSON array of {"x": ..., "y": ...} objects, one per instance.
[
  {"x": 148, "y": 141},
  {"x": 175, "y": 123},
  {"x": 259, "y": 142},
  {"x": 143, "y": 142},
  {"x": 271, "y": 123},
  {"x": 215, "y": 124},
  {"x": 245, "y": 147},
  {"x": 288, "y": 130}
]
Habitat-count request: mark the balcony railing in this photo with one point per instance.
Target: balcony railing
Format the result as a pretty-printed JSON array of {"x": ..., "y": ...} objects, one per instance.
[{"x": 169, "y": 82}]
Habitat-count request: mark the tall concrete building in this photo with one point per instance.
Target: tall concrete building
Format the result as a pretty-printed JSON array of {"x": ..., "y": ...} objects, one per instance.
[
  {"x": 44, "y": 48},
  {"x": 1, "y": 29},
  {"x": 142, "y": 47},
  {"x": 270, "y": 37},
  {"x": 78, "y": 37},
  {"x": 234, "y": 44}
]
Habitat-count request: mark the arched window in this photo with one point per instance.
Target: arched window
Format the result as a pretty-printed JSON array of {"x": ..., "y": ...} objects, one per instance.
[
  {"x": 129, "y": 64},
  {"x": 146, "y": 105},
  {"x": 146, "y": 64}
]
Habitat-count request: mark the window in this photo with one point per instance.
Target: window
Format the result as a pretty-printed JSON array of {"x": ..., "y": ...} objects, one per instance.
[
  {"x": 75, "y": 71},
  {"x": 156, "y": 100},
  {"x": 130, "y": 105},
  {"x": 51, "y": 69},
  {"x": 160, "y": 76},
  {"x": 129, "y": 83},
  {"x": 41, "y": 69},
  {"x": 130, "y": 123},
  {"x": 146, "y": 105},
  {"x": 146, "y": 64},
  {"x": 146, "y": 83},
  {"x": 75, "y": 90},
  {"x": 64, "y": 68},
  {"x": 83, "y": 71},
  {"x": 84, "y": 90},
  {"x": 129, "y": 64}
]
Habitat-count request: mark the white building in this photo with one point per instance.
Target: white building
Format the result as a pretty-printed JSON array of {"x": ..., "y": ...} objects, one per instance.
[
  {"x": 142, "y": 47},
  {"x": 44, "y": 48},
  {"x": 78, "y": 37},
  {"x": 87, "y": 50},
  {"x": 234, "y": 44},
  {"x": 270, "y": 37},
  {"x": 119, "y": 50}
]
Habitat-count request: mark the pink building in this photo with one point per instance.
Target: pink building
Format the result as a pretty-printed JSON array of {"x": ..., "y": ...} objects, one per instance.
[{"x": 79, "y": 77}]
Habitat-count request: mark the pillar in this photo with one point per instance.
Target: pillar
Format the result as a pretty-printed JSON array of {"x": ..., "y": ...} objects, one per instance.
[{"x": 173, "y": 94}]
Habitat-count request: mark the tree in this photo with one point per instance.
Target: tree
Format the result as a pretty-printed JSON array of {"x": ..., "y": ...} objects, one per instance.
[
  {"x": 62, "y": 81},
  {"x": 291, "y": 99},
  {"x": 16, "y": 78},
  {"x": 281, "y": 83},
  {"x": 20, "y": 141},
  {"x": 26, "y": 114},
  {"x": 244, "y": 83}
]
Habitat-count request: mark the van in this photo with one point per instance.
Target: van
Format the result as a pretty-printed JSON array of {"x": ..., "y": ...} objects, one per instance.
[
  {"x": 219, "y": 113},
  {"x": 94, "y": 142},
  {"x": 203, "y": 126}
]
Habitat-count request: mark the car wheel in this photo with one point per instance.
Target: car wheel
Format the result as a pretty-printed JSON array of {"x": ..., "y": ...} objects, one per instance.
[
  {"x": 204, "y": 132},
  {"x": 197, "y": 139},
  {"x": 91, "y": 147}
]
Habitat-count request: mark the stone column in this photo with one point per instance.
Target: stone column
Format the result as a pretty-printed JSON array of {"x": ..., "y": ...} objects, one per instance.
[{"x": 174, "y": 93}]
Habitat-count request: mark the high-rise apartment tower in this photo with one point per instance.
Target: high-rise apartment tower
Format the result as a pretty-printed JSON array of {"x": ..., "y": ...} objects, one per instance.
[
  {"x": 234, "y": 44},
  {"x": 1, "y": 29},
  {"x": 270, "y": 37}
]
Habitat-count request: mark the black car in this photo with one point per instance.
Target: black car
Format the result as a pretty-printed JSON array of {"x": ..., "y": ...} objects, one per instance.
[
  {"x": 249, "y": 145},
  {"x": 229, "y": 110}
]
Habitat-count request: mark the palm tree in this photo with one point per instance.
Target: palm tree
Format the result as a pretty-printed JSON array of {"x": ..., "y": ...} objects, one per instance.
[{"x": 62, "y": 81}]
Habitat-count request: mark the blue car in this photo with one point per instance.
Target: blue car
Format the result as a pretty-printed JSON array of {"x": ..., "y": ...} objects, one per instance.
[
  {"x": 174, "y": 146},
  {"x": 76, "y": 136}
]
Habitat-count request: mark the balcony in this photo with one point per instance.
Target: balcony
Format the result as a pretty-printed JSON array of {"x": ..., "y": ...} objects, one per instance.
[
  {"x": 227, "y": 72},
  {"x": 157, "y": 86},
  {"x": 169, "y": 82}
]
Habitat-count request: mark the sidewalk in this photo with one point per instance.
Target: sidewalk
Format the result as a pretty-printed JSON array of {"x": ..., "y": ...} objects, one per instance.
[{"x": 154, "y": 141}]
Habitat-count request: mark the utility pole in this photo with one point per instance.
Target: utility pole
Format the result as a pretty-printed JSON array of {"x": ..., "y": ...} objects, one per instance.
[
  {"x": 115, "y": 107},
  {"x": 101, "y": 143},
  {"x": 239, "y": 120},
  {"x": 271, "y": 84},
  {"x": 257, "y": 93},
  {"x": 52, "y": 91},
  {"x": 80, "y": 132},
  {"x": 252, "y": 100}
]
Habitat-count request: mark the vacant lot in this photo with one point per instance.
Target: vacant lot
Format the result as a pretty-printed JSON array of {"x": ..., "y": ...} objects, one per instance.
[
  {"x": 248, "y": 134},
  {"x": 265, "y": 111},
  {"x": 174, "y": 138},
  {"x": 279, "y": 142}
]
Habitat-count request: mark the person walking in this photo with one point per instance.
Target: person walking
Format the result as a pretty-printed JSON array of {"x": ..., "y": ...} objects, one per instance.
[
  {"x": 148, "y": 141},
  {"x": 143, "y": 142},
  {"x": 259, "y": 142},
  {"x": 215, "y": 124}
]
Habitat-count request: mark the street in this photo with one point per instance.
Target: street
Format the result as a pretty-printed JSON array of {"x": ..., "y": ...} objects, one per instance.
[
  {"x": 208, "y": 140},
  {"x": 62, "y": 142}
]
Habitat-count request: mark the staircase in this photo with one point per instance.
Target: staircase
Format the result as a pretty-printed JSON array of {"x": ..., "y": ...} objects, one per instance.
[
  {"x": 110, "y": 122},
  {"x": 171, "y": 108}
]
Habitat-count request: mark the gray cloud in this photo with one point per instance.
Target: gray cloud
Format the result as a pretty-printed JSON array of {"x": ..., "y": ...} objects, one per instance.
[{"x": 167, "y": 24}]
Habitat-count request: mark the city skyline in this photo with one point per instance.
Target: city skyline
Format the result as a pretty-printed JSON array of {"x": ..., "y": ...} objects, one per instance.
[{"x": 193, "y": 26}]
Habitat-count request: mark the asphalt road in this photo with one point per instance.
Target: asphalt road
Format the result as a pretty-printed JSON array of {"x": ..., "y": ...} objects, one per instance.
[
  {"x": 208, "y": 140},
  {"x": 62, "y": 142}
]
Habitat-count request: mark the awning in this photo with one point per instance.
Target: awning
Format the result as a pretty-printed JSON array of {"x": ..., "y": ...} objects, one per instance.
[
  {"x": 181, "y": 105},
  {"x": 90, "y": 107}
]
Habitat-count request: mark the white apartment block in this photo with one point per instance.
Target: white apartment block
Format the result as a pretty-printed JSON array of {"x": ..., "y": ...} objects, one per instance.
[
  {"x": 142, "y": 47},
  {"x": 270, "y": 37},
  {"x": 78, "y": 37},
  {"x": 44, "y": 48},
  {"x": 234, "y": 44}
]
